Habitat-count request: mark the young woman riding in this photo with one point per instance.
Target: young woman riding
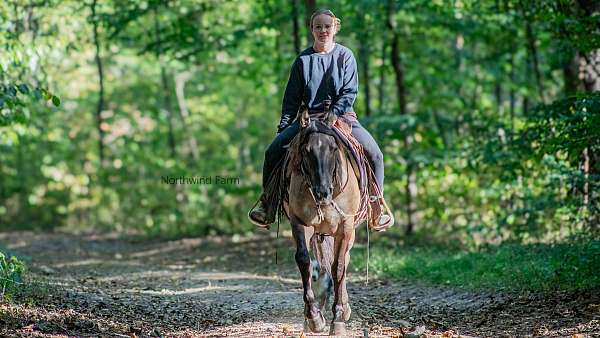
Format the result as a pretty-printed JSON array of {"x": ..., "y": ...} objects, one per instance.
[{"x": 325, "y": 71}]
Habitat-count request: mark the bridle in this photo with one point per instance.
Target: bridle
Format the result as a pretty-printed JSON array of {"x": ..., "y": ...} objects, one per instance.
[{"x": 308, "y": 181}]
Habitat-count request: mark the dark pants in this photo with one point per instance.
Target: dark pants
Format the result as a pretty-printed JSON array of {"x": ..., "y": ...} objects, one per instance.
[{"x": 276, "y": 150}]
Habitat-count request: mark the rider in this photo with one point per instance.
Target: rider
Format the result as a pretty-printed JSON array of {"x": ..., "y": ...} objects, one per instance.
[{"x": 325, "y": 70}]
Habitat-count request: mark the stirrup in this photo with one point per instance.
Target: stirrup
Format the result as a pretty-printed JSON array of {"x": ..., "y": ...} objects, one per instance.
[
  {"x": 385, "y": 219},
  {"x": 258, "y": 223}
]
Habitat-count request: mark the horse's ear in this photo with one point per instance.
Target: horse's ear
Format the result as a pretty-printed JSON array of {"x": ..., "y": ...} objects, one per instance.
[{"x": 304, "y": 117}]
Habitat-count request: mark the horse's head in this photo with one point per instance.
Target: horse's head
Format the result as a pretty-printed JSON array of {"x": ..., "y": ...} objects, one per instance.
[{"x": 319, "y": 156}]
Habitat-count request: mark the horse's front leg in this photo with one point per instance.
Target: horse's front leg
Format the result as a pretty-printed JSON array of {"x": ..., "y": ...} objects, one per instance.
[
  {"x": 313, "y": 318},
  {"x": 344, "y": 239}
]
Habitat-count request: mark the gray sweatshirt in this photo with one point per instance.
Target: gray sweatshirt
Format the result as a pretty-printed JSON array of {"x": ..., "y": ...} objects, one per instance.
[{"x": 316, "y": 77}]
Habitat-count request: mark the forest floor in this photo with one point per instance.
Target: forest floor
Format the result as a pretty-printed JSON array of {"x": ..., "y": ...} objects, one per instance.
[{"x": 100, "y": 285}]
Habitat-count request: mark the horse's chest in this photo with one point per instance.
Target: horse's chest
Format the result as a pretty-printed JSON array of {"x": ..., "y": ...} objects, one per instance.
[{"x": 325, "y": 222}]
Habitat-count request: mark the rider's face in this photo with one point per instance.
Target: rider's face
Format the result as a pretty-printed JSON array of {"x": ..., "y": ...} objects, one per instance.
[{"x": 323, "y": 28}]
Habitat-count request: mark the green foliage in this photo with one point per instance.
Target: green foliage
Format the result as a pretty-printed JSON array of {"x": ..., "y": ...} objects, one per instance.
[
  {"x": 14, "y": 100},
  {"x": 567, "y": 126},
  {"x": 20, "y": 82},
  {"x": 11, "y": 271},
  {"x": 194, "y": 89}
]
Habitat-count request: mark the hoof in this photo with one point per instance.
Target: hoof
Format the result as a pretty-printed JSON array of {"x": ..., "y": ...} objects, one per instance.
[
  {"x": 347, "y": 312},
  {"x": 337, "y": 329},
  {"x": 315, "y": 324}
]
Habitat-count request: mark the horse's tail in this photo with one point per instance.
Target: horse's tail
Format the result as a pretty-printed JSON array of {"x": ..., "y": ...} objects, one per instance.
[{"x": 322, "y": 247}]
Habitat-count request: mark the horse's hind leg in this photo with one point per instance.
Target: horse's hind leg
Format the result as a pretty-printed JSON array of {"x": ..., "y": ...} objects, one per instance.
[
  {"x": 313, "y": 318},
  {"x": 344, "y": 239}
]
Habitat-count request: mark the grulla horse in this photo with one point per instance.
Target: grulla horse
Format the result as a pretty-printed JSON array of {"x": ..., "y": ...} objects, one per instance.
[{"x": 324, "y": 200}]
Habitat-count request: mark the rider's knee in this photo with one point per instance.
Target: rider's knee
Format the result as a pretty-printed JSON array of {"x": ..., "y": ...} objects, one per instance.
[{"x": 376, "y": 155}]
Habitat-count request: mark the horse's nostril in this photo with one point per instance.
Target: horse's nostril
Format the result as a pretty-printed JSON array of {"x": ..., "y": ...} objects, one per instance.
[
  {"x": 320, "y": 193},
  {"x": 323, "y": 192}
]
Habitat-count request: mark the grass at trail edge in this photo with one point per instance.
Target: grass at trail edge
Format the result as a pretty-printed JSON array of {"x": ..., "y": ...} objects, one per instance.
[{"x": 543, "y": 267}]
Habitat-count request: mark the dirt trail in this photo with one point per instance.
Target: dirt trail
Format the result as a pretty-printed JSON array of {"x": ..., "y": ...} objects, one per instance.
[{"x": 98, "y": 285}]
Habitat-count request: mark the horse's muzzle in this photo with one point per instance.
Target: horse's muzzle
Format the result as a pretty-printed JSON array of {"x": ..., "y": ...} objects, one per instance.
[{"x": 323, "y": 194}]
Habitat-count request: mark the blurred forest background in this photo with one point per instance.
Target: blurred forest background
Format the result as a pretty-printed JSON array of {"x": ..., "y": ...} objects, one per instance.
[{"x": 487, "y": 112}]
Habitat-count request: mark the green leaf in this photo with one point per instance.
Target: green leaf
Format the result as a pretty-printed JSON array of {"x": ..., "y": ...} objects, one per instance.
[
  {"x": 23, "y": 89},
  {"x": 55, "y": 100},
  {"x": 47, "y": 95}
]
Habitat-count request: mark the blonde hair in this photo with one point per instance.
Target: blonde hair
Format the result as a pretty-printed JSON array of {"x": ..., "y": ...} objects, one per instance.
[{"x": 337, "y": 22}]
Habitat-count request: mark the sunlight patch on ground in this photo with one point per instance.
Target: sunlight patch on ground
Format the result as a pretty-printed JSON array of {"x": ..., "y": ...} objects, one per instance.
[
  {"x": 196, "y": 276},
  {"x": 187, "y": 291},
  {"x": 91, "y": 261},
  {"x": 241, "y": 276}
]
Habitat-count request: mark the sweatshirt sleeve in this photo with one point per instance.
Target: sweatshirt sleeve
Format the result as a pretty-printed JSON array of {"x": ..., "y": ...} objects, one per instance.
[
  {"x": 292, "y": 96},
  {"x": 349, "y": 88}
]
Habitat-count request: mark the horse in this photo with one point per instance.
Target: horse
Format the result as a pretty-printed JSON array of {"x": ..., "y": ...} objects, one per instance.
[{"x": 324, "y": 200}]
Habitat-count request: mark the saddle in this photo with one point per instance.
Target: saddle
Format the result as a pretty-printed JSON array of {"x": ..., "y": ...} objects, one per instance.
[{"x": 370, "y": 208}]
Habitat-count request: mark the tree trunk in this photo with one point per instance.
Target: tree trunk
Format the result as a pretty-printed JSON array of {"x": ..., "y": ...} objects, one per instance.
[
  {"x": 532, "y": 50},
  {"x": 100, "y": 105},
  {"x": 382, "y": 72},
  {"x": 296, "y": 26},
  {"x": 589, "y": 67},
  {"x": 168, "y": 110},
  {"x": 570, "y": 70},
  {"x": 411, "y": 175},
  {"x": 364, "y": 62},
  {"x": 180, "y": 194},
  {"x": 398, "y": 71},
  {"x": 311, "y": 7},
  {"x": 534, "y": 58},
  {"x": 165, "y": 88},
  {"x": 498, "y": 94},
  {"x": 590, "y": 70},
  {"x": 180, "y": 80},
  {"x": 458, "y": 46}
]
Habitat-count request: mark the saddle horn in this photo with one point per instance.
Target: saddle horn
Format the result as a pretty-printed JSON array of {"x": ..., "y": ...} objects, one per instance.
[
  {"x": 304, "y": 117},
  {"x": 330, "y": 116},
  {"x": 327, "y": 104}
]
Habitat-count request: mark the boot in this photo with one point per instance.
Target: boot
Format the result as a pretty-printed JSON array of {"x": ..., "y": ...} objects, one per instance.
[{"x": 262, "y": 214}]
